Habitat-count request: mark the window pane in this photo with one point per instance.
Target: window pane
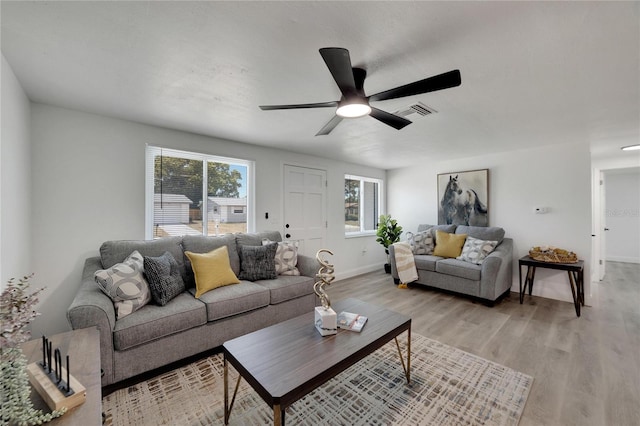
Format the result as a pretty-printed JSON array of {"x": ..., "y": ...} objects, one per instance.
[
  {"x": 192, "y": 193},
  {"x": 227, "y": 198},
  {"x": 177, "y": 193},
  {"x": 370, "y": 206},
  {"x": 362, "y": 204},
  {"x": 351, "y": 205}
]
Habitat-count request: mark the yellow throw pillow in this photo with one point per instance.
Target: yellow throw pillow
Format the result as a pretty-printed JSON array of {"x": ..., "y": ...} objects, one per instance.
[
  {"x": 448, "y": 245},
  {"x": 212, "y": 270}
]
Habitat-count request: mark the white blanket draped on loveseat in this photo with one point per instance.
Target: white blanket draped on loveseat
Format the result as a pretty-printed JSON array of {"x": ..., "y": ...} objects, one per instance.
[{"x": 405, "y": 263}]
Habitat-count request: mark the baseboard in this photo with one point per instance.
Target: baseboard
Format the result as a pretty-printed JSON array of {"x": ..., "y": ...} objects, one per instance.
[
  {"x": 624, "y": 259},
  {"x": 359, "y": 271}
]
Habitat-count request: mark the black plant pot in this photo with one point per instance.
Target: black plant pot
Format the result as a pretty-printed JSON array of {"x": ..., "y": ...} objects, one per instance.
[{"x": 387, "y": 268}]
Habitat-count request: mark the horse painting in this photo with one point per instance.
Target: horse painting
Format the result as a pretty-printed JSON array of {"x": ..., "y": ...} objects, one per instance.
[{"x": 462, "y": 206}]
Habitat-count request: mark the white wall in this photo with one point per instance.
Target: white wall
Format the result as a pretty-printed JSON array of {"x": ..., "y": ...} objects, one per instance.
[
  {"x": 15, "y": 181},
  {"x": 88, "y": 187},
  {"x": 622, "y": 215},
  {"x": 555, "y": 177}
]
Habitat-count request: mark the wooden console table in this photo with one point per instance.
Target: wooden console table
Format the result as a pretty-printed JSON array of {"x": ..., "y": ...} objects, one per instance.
[
  {"x": 83, "y": 347},
  {"x": 574, "y": 270}
]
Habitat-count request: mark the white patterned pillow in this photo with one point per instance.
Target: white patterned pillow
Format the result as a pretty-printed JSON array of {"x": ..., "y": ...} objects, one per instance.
[
  {"x": 475, "y": 250},
  {"x": 286, "y": 257},
  {"x": 124, "y": 283},
  {"x": 422, "y": 242}
]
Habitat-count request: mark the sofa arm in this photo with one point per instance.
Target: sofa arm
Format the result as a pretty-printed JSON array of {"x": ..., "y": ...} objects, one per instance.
[
  {"x": 497, "y": 271},
  {"x": 308, "y": 266},
  {"x": 91, "y": 307}
]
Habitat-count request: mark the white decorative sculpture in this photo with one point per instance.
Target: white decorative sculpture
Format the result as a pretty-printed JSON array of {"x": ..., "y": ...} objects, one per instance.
[{"x": 326, "y": 320}]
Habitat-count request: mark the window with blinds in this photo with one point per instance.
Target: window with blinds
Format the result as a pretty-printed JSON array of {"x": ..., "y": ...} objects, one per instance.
[{"x": 192, "y": 193}]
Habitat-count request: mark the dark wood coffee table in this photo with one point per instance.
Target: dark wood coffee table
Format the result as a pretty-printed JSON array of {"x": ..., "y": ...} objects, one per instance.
[{"x": 286, "y": 361}]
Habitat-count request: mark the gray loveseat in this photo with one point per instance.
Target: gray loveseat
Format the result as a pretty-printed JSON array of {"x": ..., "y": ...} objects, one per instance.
[
  {"x": 154, "y": 336},
  {"x": 487, "y": 281}
]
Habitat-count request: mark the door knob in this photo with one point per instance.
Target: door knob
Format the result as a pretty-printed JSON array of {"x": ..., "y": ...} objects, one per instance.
[
  {"x": 286, "y": 226},
  {"x": 287, "y": 235},
  {"x": 606, "y": 229}
]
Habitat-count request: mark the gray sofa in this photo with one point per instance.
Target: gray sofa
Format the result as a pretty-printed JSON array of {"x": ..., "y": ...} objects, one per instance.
[
  {"x": 154, "y": 336},
  {"x": 486, "y": 282}
]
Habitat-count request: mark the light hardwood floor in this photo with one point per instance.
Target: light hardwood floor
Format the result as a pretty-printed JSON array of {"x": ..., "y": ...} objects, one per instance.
[{"x": 586, "y": 370}]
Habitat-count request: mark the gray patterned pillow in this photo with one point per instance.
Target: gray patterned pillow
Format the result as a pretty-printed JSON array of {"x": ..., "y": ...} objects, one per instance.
[
  {"x": 258, "y": 262},
  {"x": 286, "y": 257},
  {"x": 164, "y": 278},
  {"x": 422, "y": 242},
  {"x": 125, "y": 285},
  {"x": 475, "y": 250}
]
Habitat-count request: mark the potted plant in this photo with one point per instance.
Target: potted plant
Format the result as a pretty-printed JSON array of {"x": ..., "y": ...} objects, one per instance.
[{"x": 388, "y": 233}]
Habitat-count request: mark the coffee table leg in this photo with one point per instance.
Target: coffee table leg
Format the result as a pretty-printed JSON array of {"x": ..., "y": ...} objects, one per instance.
[
  {"x": 227, "y": 406},
  {"x": 226, "y": 392},
  {"x": 277, "y": 416},
  {"x": 406, "y": 367}
]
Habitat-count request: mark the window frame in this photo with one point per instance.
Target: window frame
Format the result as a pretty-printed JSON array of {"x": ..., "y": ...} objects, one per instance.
[
  {"x": 151, "y": 151},
  {"x": 361, "y": 205}
]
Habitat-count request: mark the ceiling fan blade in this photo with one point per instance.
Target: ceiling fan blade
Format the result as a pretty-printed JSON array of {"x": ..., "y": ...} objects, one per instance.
[
  {"x": 316, "y": 105},
  {"x": 431, "y": 84},
  {"x": 389, "y": 119},
  {"x": 339, "y": 64},
  {"x": 330, "y": 126}
]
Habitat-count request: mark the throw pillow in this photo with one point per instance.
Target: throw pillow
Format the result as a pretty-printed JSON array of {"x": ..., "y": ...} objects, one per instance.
[
  {"x": 258, "y": 262},
  {"x": 448, "y": 245},
  {"x": 164, "y": 277},
  {"x": 286, "y": 257},
  {"x": 125, "y": 285},
  {"x": 476, "y": 250},
  {"x": 211, "y": 270},
  {"x": 422, "y": 242}
]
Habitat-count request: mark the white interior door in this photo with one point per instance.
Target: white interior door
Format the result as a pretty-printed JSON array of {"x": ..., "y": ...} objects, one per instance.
[{"x": 305, "y": 208}]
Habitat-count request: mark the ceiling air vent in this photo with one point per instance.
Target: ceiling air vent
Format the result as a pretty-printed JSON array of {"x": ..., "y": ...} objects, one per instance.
[{"x": 415, "y": 111}]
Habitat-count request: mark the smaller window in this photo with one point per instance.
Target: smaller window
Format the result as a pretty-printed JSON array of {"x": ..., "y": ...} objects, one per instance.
[{"x": 362, "y": 204}]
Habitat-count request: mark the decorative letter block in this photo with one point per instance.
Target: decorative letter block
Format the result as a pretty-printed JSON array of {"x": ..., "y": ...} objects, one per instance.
[{"x": 326, "y": 321}]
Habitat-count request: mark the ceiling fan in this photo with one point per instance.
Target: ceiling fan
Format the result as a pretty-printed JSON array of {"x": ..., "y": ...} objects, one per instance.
[{"x": 354, "y": 103}]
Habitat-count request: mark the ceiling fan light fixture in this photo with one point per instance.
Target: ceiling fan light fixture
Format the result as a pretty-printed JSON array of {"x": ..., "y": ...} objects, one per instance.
[
  {"x": 353, "y": 108},
  {"x": 631, "y": 147}
]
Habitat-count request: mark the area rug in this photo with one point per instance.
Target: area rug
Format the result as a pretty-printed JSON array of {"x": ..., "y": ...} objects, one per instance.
[{"x": 448, "y": 387}]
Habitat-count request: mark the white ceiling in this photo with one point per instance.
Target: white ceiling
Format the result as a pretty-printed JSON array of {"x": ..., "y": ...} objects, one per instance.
[{"x": 533, "y": 73}]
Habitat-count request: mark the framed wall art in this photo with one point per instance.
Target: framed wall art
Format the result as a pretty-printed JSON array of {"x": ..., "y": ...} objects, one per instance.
[{"x": 463, "y": 198}]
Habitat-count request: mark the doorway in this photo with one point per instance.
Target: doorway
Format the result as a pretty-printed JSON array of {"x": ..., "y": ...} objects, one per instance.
[{"x": 305, "y": 208}]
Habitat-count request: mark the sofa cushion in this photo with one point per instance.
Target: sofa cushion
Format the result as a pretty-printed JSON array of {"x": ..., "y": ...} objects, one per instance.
[
  {"x": 421, "y": 243},
  {"x": 258, "y": 262},
  {"x": 475, "y": 250},
  {"x": 487, "y": 233},
  {"x": 202, "y": 244},
  {"x": 234, "y": 299},
  {"x": 125, "y": 285},
  {"x": 112, "y": 252},
  {"x": 286, "y": 257},
  {"x": 448, "y": 245},
  {"x": 459, "y": 268},
  {"x": 211, "y": 270},
  {"x": 426, "y": 262},
  {"x": 154, "y": 322},
  {"x": 255, "y": 239},
  {"x": 446, "y": 228},
  {"x": 164, "y": 278},
  {"x": 286, "y": 287}
]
